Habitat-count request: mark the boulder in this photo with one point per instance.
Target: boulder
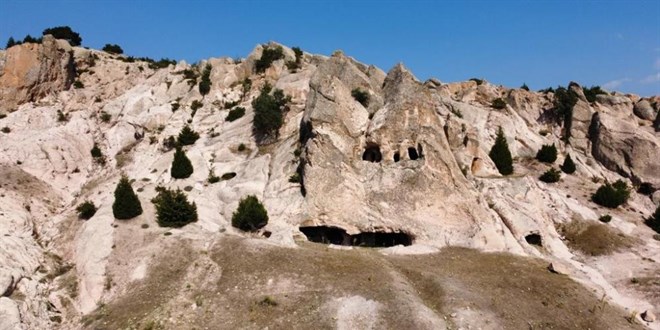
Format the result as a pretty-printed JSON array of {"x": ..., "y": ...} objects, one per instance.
[
  {"x": 558, "y": 268},
  {"x": 644, "y": 110}
]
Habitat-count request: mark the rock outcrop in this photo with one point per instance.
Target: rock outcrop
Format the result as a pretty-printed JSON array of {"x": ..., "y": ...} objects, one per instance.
[
  {"x": 410, "y": 167},
  {"x": 31, "y": 71}
]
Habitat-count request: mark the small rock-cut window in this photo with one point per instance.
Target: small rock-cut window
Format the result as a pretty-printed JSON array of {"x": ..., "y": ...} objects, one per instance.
[
  {"x": 397, "y": 157},
  {"x": 372, "y": 154},
  {"x": 534, "y": 239},
  {"x": 412, "y": 153}
]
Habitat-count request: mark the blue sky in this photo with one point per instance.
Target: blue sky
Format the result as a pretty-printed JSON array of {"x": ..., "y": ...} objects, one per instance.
[{"x": 615, "y": 44}]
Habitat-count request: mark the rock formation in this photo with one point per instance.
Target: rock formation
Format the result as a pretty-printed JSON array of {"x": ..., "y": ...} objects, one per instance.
[{"x": 412, "y": 164}]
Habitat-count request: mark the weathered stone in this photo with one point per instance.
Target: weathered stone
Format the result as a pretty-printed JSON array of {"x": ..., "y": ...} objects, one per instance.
[{"x": 644, "y": 110}]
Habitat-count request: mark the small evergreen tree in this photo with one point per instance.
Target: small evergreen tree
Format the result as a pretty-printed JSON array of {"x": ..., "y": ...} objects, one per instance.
[
  {"x": 10, "y": 43},
  {"x": 212, "y": 177},
  {"x": 268, "y": 56},
  {"x": 86, "y": 210},
  {"x": 235, "y": 113},
  {"x": 501, "y": 155},
  {"x": 268, "y": 116},
  {"x": 126, "y": 205},
  {"x": 361, "y": 96},
  {"x": 611, "y": 195},
  {"x": 97, "y": 154},
  {"x": 590, "y": 93},
  {"x": 64, "y": 32},
  {"x": 112, "y": 49},
  {"x": 250, "y": 215},
  {"x": 565, "y": 100},
  {"x": 187, "y": 136},
  {"x": 654, "y": 220},
  {"x": 569, "y": 166},
  {"x": 173, "y": 208},
  {"x": 550, "y": 176},
  {"x": 524, "y": 86},
  {"x": 547, "y": 154},
  {"x": 205, "y": 83},
  {"x": 181, "y": 166}
]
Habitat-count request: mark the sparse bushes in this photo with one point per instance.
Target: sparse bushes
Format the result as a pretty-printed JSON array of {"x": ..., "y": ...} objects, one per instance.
[
  {"x": 86, "y": 210},
  {"x": 250, "y": 214},
  {"x": 175, "y": 106},
  {"x": 105, "y": 117},
  {"x": 361, "y": 96},
  {"x": 294, "y": 178},
  {"x": 478, "y": 81},
  {"x": 611, "y": 195},
  {"x": 547, "y": 154},
  {"x": 268, "y": 56},
  {"x": 294, "y": 65},
  {"x": 64, "y": 32},
  {"x": 590, "y": 93},
  {"x": 241, "y": 147},
  {"x": 605, "y": 218},
  {"x": 498, "y": 104},
  {"x": 212, "y": 177},
  {"x": 126, "y": 204},
  {"x": 235, "y": 113},
  {"x": 31, "y": 40},
  {"x": 501, "y": 155},
  {"x": 6, "y": 130},
  {"x": 550, "y": 176},
  {"x": 181, "y": 166},
  {"x": 196, "y": 105},
  {"x": 568, "y": 166},
  {"x": 112, "y": 49},
  {"x": 62, "y": 117},
  {"x": 268, "y": 112},
  {"x": 654, "y": 220},
  {"x": 97, "y": 154},
  {"x": 205, "y": 83},
  {"x": 187, "y": 136},
  {"x": 524, "y": 86},
  {"x": 173, "y": 208},
  {"x": 78, "y": 84}
]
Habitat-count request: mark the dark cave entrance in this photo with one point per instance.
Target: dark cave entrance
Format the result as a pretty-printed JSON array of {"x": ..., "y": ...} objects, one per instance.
[
  {"x": 412, "y": 153},
  {"x": 534, "y": 239},
  {"x": 326, "y": 235},
  {"x": 338, "y": 236},
  {"x": 372, "y": 154},
  {"x": 397, "y": 157}
]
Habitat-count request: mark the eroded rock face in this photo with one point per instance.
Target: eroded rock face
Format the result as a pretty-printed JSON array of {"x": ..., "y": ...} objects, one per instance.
[
  {"x": 624, "y": 148},
  {"x": 32, "y": 71}
]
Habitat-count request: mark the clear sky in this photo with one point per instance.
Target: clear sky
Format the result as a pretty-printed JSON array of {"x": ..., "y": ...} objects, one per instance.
[{"x": 615, "y": 44}]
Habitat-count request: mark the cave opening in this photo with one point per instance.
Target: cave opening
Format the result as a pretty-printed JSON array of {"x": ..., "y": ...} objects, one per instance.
[
  {"x": 338, "y": 236},
  {"x": 372, "y": 154},
  {"x": 534, "y": 239},
  {"x": 420, "y": 151},
  {"x": 412, "y": 153},
  {"x": 397, "y": 157}
]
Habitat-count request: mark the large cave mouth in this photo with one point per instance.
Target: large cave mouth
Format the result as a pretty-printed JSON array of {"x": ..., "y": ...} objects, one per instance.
[
  {"x": 338, "y": 236},
  {"x": 534, "y": 239},
  {"x": 372, "y": 154},
  {"x": 326, "y": 235}
]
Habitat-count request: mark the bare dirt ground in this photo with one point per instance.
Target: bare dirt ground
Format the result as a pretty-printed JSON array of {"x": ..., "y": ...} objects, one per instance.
[{"x": 251, "y": 284}]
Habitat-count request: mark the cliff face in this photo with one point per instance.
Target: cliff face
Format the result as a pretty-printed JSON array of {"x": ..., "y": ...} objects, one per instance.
[
  {"x": 32, "y": 71},
  {"x": 412, "y": 162}
]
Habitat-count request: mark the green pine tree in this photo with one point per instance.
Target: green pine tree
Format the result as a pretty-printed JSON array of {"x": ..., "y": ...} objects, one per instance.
[
  {"x": 181, "y": 166},
  {"x": 187, "y": 136},
  {"x": 547, "y": 154},
  {"x": 173, "y": 208},
  {"x": 205, "y": 83},
  {"x": 126, "y": 205},
  {"x": 250, "y": 215},
  {"x": 569, "y": 166},
  {"x": 501, "y": 155}
]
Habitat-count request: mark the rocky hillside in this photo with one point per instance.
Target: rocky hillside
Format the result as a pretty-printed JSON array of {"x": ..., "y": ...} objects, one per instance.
[{"x": 363, "y": 157}]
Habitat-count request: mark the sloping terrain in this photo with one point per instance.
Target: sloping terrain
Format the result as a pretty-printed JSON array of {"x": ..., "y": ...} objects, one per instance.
[{"x": 362, "y": 154}]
